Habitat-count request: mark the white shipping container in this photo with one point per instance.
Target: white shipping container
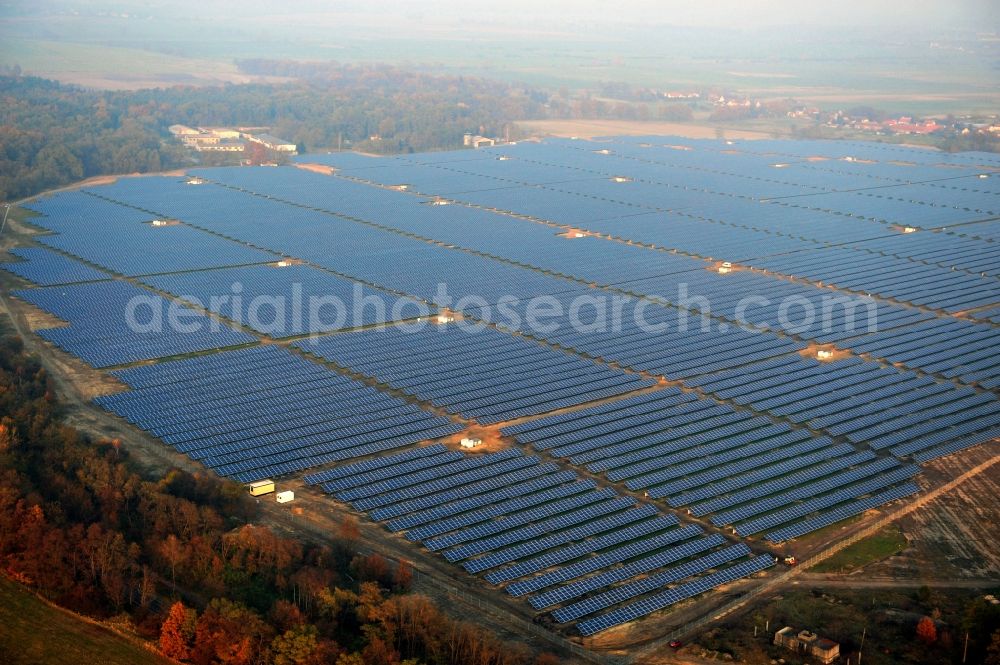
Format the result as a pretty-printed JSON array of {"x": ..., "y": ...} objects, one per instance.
[{"x": 285, "y": 497}]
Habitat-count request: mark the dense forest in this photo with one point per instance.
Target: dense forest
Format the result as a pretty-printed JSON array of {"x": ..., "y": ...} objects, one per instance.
[
  {"x": 180, "y": 558},
  {"x": 53, "y": 134}
]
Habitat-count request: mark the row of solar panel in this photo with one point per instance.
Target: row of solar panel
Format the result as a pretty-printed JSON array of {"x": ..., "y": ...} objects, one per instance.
[
  {"x": 880, "y": 406},
  {"x": 888, "y": 277},
  {"x": 303, "y": 415},
  {"x": 563, "y": 535},
  {"x": 362, "y": 251},
  {"x": 115, "y": 323},
  {"x": 480, "y": 373},
  {"x": 284, "y": 301},
  {"x": 47, "y": 268},
  {"x": 129, "y": 242},
  {"x": 735, "y": 465},
  {"x": 953, "y": 348}
]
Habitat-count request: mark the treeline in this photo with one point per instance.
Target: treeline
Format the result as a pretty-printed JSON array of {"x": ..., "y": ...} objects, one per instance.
[
  {"x": 53, "y": 134},
  {"x": 181, "y": 558}
]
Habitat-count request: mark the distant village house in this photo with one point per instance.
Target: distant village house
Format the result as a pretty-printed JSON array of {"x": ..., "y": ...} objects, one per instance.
[
  {"x": 224, "y": 139},
  {"x": 808, "y": 643}
]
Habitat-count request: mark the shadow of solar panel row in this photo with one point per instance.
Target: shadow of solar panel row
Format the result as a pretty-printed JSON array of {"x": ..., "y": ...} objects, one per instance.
[
  {"x": 378, "y": 475},
  {"x": 504, "y": 461},
  {"x": 47, "y": 268},
  {"x": 713, "y": 473},
  {"x": 882, "y": 407},
  {"x": 486, "y": 375},
  {"x": 130, "y": 245},
  {"x": 888, "y": 277},
  {"x": 953, "y": 348},
  {"x": 781, "y": 515},
  {"x": 643, "y": 586},
  {"x": 460, "y": 465},
  {"x": 205, "y": 396},
  {"x": 100, "y": 332},
  {"x": 287, "y": 301},
  {"x": 604, "y": 512},
  {"x": 842, "y": 512},
  {"x": 467, "y": 495},
  {"x": 672, "y": 596}
]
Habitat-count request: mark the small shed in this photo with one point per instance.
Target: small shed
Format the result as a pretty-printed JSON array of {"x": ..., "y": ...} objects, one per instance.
[
  {"x": 471, "y": 443},
  {"x": 261, "y": 487},
  {"x": 285, "y": 497}
]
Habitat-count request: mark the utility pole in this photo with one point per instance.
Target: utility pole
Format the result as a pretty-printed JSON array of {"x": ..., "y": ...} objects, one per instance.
[
  {"x": 965, "y": 649},
  {"x": 861, "y": 648},
  {"x": 5, "y": 213}
]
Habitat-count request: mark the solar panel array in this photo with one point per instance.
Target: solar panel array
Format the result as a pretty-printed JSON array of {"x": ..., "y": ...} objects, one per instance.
[
  {"x": 285, "y": 301},
  {"x": 951, "y": 348},
  {"x": 478, "y": 372},
  {"x": 47, "y": 268},
  {"x": 545, "y": 534},
  {"x": 886, "y": 252},
  {"x": 881, "y": 407},
  {"x": 131, "y": 242},
  {"x": 115, "y": 323},
  {"x": 712, "y": 458},
  {"x": 261, "y": 412}
]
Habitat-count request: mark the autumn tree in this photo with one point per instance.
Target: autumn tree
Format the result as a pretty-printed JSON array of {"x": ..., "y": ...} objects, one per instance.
[
  {"x": 993, "y": 650},
  {"x": 229, "y": 633},
  {"x": 927, "y": 631},
  {"x": 177, "y": 632},
  {"x": 403, "y": 576},
  {"x": 547, "y": 659},
  {"x": 348, "y": 530},
  {"x": 297, "y": 646}
]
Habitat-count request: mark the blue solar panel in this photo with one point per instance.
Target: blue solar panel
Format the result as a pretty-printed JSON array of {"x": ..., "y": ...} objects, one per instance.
[{"x": 664, "y": 599}]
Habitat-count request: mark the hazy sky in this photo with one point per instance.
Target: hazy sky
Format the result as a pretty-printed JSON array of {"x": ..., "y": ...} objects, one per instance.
[
  {"x": 983, "y": 15},
  {"x": 730, "y": 13}
]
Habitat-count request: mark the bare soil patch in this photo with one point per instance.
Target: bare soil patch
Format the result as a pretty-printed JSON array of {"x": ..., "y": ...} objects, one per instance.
[{"x": 316, "y": 168}]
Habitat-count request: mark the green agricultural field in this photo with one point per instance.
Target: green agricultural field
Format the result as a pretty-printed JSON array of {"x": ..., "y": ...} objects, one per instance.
[
  {"x": 33, "y": 632},
  {"x": 884, "y": 544}
]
